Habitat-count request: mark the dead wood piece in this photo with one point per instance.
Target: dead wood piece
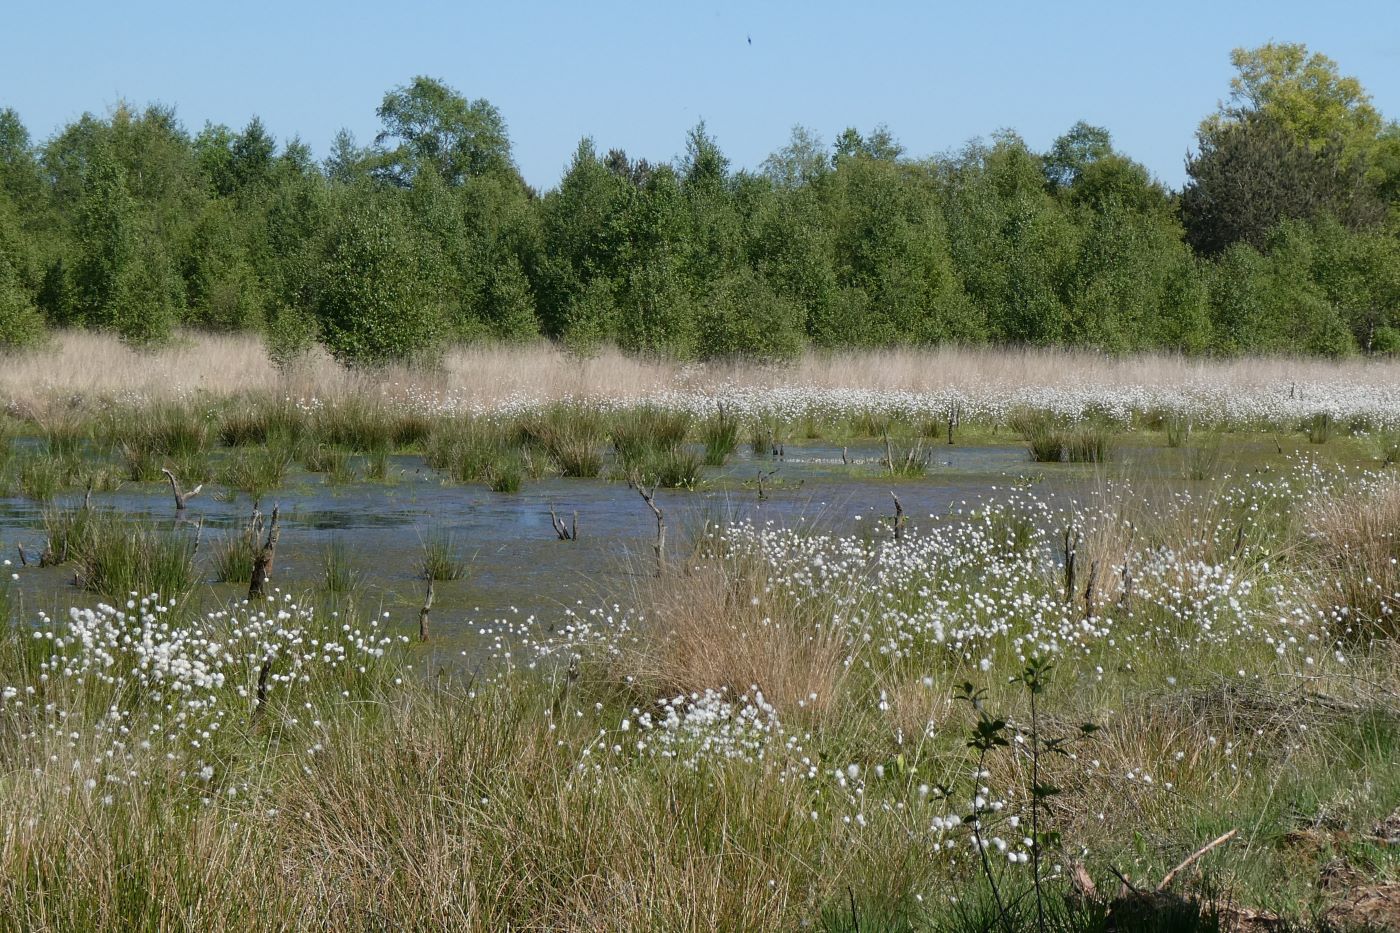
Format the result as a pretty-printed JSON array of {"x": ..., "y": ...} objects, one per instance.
[
  {"x": 262, "y": 566},
  {"x": 649, "y": 496},
  {"x": 182, "y": 499},
  {"x": 423, "y": 613}
]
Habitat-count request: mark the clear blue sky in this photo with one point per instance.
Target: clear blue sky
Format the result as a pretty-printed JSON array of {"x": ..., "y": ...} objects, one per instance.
[{"x": 638, "y": 75}]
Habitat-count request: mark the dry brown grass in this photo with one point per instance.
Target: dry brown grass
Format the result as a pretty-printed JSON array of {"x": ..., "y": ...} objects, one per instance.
[
  {"x": 1357, "y": 534},
  {"x": 715, "y": 626},
  {"x": 80, "y": 363}
]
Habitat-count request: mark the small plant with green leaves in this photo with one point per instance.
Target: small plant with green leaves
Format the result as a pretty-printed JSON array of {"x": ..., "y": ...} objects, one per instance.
[{"x": 989, "y": 735}]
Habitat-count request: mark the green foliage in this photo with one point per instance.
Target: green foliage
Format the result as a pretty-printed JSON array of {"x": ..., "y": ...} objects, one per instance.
[
  {"x": 372, "y": 304},
  {"x": 742, "y": 316},
  {"x": 1283, "y": 238},
  {"x": 434, "y": 128},
  {"x": 21, "y": 325},
  {"x": 1251, "y": 175},
  {"x": 1305, "y": 94}
]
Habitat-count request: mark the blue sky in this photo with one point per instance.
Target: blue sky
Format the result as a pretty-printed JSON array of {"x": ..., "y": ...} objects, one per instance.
[{"x": 638, "y": 75}]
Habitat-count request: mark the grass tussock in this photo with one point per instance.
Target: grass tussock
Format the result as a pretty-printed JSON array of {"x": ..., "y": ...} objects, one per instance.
[
  {"x": 1043, "y": 433},
  {"x": 1356, "y": 533},
  {"x": 571, "y": 436},
  {"x": 720, "y": 435},
  {"x": 478, "y": 450},
  {"x": 116, "y": 557},
  {"x": 442, "y": 558}
]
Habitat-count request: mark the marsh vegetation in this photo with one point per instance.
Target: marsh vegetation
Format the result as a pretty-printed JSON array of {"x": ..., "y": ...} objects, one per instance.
[{"x": 1054, "y": 663}]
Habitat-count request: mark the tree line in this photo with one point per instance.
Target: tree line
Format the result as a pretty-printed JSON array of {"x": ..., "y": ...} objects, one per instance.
[{"x": 1285, "y": 237}]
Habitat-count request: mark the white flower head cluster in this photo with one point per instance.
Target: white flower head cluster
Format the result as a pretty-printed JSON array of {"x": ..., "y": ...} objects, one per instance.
[{"x": 114, "y": 688}]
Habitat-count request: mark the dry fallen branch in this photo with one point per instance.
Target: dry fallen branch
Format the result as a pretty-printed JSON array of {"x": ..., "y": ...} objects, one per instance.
[{"x": 1194, "y": 857}]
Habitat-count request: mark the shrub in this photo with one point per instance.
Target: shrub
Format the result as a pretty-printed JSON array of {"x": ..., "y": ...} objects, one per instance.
[
  {"x": 21, "y": 325},
  {"x": 372, "y": 302}
]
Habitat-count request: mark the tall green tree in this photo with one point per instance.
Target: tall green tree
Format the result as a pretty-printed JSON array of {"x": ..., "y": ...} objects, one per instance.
[{"x": 428, "y": 126}]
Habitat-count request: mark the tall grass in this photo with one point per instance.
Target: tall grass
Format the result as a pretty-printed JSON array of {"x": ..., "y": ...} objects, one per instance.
[
  {"x": 907, "y": 457},
  {"x": 1043, "y": 433},
  {"x": 572, "y": 436},
  {"x": 292, "y": 772},
  {"x": 1089, "y": 442},
  {"x": 476, "y": 450},
  {"x": 1319, "y": 428},
  {"x": 256, "y": 471},
  {"x": 1357, "y": 533},
  {"x": 639, "y": 433},
  {"x": 237, "y": 550},
  {"x": 340, "y": 573},
  {"x": 261, "y": 420},
  {"x": 720, "y": 435},
  {"x": 40, "y": 477},
  {"x": 117, "y": 557}
]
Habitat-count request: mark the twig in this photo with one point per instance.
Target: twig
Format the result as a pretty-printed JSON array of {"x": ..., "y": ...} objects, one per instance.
[
  {"x": 23, "y": 558},
  {"x": 1194, "y": 857},
  {"x": 898, "y": 517}
]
